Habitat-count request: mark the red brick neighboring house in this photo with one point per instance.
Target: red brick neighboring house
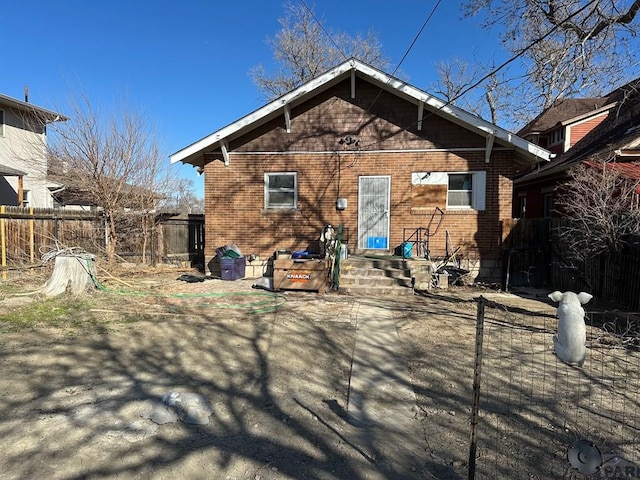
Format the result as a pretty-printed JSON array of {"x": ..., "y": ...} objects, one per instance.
[
  {"x": 594, "y": 131},
  {"x": 360, "y": 148}
]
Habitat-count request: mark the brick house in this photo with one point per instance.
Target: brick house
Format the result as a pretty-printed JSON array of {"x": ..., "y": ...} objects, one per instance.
[
  {"x": 588, "y": 131},
  {"x": 360, "y": 148}
]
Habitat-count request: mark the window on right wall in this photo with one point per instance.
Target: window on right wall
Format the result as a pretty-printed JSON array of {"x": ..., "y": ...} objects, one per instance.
[
  {"x": 456, "y": 190},
  {"x": 460, "y": 190}
]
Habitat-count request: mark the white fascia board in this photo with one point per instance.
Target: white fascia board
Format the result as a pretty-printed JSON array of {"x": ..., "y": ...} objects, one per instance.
[
  {"x": 455, "y": 114},
  {"x": 26, "y": 106},
  {"x": 589, "y": 115},
  {"x": 264, "y": 112}
]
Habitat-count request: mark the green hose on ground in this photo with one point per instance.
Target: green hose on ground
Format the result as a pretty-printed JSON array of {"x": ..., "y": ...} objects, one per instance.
[{"x": 272, "y": 303}]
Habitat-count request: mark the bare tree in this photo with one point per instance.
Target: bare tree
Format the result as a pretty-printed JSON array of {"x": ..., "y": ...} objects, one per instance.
[
  {"x": 457, "y": 76},
  {"x": 183, "y": 199},
  {"x": 558, "y": 48},
  {"x": 603, "y": 208},
  {"x": 304, "y": 49},
  {"x": 111, "y": 161}
]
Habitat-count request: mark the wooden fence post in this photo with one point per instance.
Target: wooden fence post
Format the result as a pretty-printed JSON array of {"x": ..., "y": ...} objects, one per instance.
[
  {"x": 31, "y": 237},
  {"x": 3, "y": 243}
]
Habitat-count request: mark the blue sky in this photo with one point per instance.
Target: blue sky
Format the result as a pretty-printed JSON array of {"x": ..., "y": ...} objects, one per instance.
[{"x": 186, "y": 64}]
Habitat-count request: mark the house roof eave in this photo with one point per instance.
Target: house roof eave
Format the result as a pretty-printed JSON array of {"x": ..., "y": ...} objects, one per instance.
[
  {"x": 6, "y": 171},
  {"x": 194, "y": 153},
  {"x": 584, "y": 116},
  {"x": 49, "y": 115}
]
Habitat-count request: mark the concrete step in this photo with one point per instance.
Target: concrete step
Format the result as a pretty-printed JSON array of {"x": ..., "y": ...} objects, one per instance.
[
  {"x": 375, "y": 276},
  {"x": 371, "y": 278},
  {"x": 375, "y": 290},
  {"x": 397, "y": 263}
]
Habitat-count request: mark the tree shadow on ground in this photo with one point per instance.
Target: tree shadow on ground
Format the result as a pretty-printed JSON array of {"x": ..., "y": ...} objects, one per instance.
[
  {"x": 277, "y": 381},
  {"x": 532, "y": 406}
]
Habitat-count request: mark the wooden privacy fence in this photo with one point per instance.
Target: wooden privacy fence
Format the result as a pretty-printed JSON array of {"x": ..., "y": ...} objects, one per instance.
[
  {"x": 182, "y": 238},
  {"x": 535, "y": 256},
  {"x": 28, "y": 234}
]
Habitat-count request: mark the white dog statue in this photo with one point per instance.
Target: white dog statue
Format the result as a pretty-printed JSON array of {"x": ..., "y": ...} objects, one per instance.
[{"x": 572, "y": 332}]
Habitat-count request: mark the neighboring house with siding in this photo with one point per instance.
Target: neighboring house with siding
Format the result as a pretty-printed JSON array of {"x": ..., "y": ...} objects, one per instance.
[
  {"x": 360, "y": 148},
  {"x": 566, "y": 122},
  {"x": 604, "y": 130},
  {"x": 23, "y": 153}
]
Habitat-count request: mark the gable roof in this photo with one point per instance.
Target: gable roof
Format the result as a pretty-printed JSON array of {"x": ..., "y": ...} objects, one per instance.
[
  {"x": 615, "y": 139},
  {"x": 563, "y": 112},
  {"x": 47, "y": 116},
  {"x": 193, "y": 154}
]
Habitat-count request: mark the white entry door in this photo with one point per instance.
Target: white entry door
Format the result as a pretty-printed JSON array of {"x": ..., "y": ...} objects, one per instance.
[{"x": 374, "y": 194}]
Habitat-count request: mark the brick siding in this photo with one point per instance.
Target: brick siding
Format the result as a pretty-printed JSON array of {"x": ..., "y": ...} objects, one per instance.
[{"x": 385, "y": 126}]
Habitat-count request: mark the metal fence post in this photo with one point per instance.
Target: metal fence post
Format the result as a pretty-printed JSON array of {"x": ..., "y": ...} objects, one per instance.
[{"x": 476, "y": 387}]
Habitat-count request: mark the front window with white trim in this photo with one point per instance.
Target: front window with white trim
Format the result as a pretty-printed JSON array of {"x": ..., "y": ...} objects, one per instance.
[
  {"x": 460, "y": 190},
  {"x": 281, "y": 190}
]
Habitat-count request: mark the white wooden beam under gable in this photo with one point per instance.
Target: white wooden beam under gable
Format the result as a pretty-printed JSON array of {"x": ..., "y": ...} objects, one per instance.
[
  {"x": 287, "y": 118},
  {"x": 489, "y": 148},
  {"x": 353, "y": 83},
  {"x": 224, "y": 146},
  {"x": 349, "y": 71}
]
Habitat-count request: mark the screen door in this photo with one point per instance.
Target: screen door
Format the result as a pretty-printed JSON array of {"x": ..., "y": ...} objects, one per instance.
[{"x": 373, "y": 212}]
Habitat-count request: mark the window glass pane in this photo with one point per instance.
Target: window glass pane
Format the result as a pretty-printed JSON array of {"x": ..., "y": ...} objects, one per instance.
[
  {"x": 459, "y": 199},
  {"x": 280, "y": 190},
  {"x": 281, "y": 199},
  {"x": 460, "y": 181},
  {"x": 281, "y": 181}
]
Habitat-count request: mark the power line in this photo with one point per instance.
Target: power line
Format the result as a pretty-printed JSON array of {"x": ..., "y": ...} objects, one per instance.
[
  {"x": 470, "y": 87},
  {"x": 304, "y": 4},
  {"x": 415, "y": 39},
  {"x": 520, "y": 53},
  {"x": 433, "y": 11},
  {"x": 501, "y": 66}
]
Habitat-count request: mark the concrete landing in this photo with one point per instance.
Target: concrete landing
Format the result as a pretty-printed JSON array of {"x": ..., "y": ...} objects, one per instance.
[{"x": 382, "y": 404}]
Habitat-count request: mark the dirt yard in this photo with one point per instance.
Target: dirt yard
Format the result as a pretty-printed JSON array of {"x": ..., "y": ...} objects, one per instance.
[{"x": 78, "y": 374}]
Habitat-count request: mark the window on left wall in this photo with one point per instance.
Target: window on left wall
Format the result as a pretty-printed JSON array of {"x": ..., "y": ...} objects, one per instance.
[
  {"x": 280, "y": 190},
  {"x": 1, "y": 123}
]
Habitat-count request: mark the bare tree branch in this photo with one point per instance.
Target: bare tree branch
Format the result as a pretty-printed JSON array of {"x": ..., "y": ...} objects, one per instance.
[
  {"x": 603, "y": 207},
  {"x": 304, "y": 49},
  {"x": 564, "y": 47},
  {"x": 112, "y": 161}
]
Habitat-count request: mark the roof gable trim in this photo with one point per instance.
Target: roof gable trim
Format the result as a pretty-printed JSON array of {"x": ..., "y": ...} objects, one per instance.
[{"x": 351, "y": 67}]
